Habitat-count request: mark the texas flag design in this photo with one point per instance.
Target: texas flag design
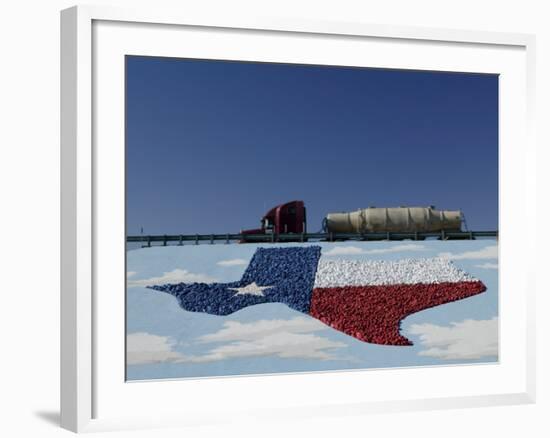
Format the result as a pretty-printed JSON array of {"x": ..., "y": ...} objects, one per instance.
[{"x": 364, "y": 299}]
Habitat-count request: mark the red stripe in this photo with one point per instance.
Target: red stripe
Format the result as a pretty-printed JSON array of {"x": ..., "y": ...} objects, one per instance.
[{"x": 374, "y": 313}]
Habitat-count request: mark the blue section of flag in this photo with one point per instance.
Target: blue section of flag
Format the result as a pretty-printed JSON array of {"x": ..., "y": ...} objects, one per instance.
[{"x": 274, "y": 275}]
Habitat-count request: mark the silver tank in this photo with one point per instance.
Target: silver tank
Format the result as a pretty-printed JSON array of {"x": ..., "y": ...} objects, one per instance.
[{"x": 396, "y": 219}]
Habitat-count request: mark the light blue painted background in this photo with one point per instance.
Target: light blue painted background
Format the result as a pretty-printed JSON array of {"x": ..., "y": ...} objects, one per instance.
[{"x": 159, "y": 314}]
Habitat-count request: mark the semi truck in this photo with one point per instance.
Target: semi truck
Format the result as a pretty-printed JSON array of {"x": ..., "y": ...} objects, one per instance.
[{"x": 290, "y": 217}]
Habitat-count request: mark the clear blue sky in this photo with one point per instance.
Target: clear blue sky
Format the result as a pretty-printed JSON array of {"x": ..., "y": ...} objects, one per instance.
[{"x": 211, "y": 145}]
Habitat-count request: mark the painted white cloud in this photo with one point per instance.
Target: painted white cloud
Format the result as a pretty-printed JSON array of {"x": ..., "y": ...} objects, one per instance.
[
  {"x": 130, "y": 274},
  {"x": 293, "y": 338},
  {"x": 144, "y": 348},
  {"x": 175, "y": 276},
  {"x": 354, "y": 250},
  {"x": 343, "y": 250},
  {"x": 489, "y": 252},
  {"x": 237, "y": 331},
  {"x": 233, "y": 262},
  {"x": 488, "y": 266},
  {"x": 283, "y": 344},
  {"x": 469, "y": 339}
]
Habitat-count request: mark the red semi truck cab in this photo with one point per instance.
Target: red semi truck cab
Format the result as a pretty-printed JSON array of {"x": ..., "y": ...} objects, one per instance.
[{"x": 283, "y": 219}]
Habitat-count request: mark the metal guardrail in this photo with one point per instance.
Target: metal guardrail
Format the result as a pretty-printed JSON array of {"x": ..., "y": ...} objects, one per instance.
[{"x": 306, "y": 237}]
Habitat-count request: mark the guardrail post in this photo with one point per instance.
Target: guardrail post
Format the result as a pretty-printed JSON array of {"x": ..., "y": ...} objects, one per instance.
[
  {"x": 149, "y": 241},
  {"x": 227, "y": 239},
  {"x": 180, "y": 243},
  {"x": 196, "y": 239},
  {"x": 164, "y": 240}
]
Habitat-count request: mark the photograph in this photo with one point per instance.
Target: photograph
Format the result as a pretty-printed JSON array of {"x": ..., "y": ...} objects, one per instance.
[
  {"x": 274, "y": 220},
  {"x": 299, "y": 218}
]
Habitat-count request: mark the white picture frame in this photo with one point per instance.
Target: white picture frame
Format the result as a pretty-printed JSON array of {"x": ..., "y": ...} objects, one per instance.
[{"x": 87, "y": 377}]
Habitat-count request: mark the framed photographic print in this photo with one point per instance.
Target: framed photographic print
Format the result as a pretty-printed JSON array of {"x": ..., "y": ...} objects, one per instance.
[{"x": 252, "y": 207}]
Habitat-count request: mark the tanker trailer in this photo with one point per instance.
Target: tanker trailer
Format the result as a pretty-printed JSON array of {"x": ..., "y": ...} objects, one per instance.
[{"x": 396, "y": 219}]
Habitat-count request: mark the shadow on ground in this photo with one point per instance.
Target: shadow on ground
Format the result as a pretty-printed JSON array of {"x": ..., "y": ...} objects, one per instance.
[{"x": 51, "y": 417}]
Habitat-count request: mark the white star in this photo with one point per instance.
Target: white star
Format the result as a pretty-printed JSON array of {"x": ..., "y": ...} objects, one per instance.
[{"x": 250, "y": 289}]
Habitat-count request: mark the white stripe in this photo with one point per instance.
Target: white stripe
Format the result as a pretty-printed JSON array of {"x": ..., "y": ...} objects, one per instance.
[{"x": 338, "y": 273}]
